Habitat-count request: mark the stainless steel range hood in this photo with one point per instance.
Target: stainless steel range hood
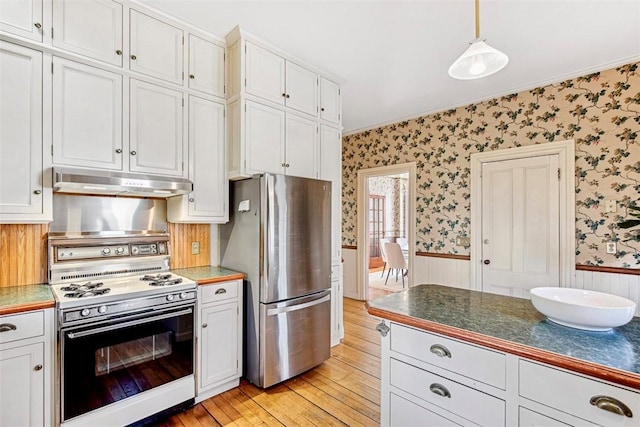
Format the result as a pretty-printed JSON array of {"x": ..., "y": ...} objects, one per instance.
[{"x": 85, "y": 181}]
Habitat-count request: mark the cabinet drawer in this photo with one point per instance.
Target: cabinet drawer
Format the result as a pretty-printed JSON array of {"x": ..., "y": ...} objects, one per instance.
[
  {"x": 477, "y": 363},
  {"x": 456, "y": 398},
  {"x": 403, "y": 412},
  {"x": 219, "y": 292},
  {"x": 572, "y": 394},
  {"x": 528, "y": 418},
  {"x": 21, "y": 326}
]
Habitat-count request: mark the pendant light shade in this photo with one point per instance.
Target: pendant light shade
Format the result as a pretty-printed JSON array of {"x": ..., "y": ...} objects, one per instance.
[{"x": 480, "y": 59}]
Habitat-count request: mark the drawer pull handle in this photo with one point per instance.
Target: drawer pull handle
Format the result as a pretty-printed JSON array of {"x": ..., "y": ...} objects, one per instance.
[
  {"x": 611, "y": 404},
  {"x": 440, "y": 390},
  {"x": 6, "y": 327},
  {"x": 221, "y": 291},
  {"x": 440, "y": 351}
]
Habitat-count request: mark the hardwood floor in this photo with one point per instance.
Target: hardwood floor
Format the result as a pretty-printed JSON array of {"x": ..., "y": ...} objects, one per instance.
[{"x": 344, "y": 390}]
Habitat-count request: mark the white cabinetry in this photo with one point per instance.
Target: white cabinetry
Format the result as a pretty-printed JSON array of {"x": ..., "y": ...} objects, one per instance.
[
  {"x": 206, "y": 66},
  {"x": 330, "y": 102},
  {"x": 219, "y": 338},
  {"x": 208, "y": 201},
  {"x": 155, "y": 120},
  {"x": 429, "y": 375},
  {"x": 26, "y": 369},
  {"x": 24, "y": 192},
  {"x": 92, "y": 28},
  {"x": 155, "y": 48},
  {"x": 87, "y": 116},
  {"x": 22, "y": 18}
]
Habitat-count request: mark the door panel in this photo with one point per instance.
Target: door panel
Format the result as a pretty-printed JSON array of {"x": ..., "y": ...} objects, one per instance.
[
  {"x": 264, "y": 139},
  {"x": 301, "y": 150},
  {"x": 22, "y": 18},
  {"x": 265, "y": 74},
  {"x": 520, "y": 225},
  {"x": 302, "y": 89}
]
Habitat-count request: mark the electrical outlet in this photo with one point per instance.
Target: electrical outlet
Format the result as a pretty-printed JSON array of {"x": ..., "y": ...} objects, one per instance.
[
  {"x": 195, "y": 248},
  {"x": 610, "y": 206},
  {"x": 611, "y": 248},
  {"x": 463, "y": 241}
]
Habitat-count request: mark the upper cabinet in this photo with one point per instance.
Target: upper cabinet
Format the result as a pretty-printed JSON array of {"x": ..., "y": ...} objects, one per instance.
[
  {"x": 330, "y": 102},
  {"x": 92, "y": 28},
  {"x": 155, "y": 48},
  {"x": 206, "y": 66},
  {"x": 281, "y": 81},
  {"x": 22, "y": 18}
]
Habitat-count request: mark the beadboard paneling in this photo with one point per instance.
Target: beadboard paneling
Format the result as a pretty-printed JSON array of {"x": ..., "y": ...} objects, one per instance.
[
  {"x": 23, "y": 254},
  {"x": 442, "y": 271},
  {"x": 181, "y": 237},
  {"x": 624, "y": 285}
]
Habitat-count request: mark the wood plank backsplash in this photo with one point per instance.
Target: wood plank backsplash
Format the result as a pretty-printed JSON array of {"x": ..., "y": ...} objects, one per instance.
[
  {"x": 181, "y": 237},
  {"x": 23, "y": 254},
  {"x": 23, "y": 251}
]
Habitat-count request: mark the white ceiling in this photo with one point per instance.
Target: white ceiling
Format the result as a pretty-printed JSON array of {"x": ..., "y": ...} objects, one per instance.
[{"x": 393, "y": 55}]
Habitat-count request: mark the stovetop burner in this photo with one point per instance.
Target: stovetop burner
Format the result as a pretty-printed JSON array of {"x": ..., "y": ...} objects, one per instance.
[
  {"x": 161, "y": 280},
  {"x": 87, "y": 293},
  {"x": 82, "y": 287}
]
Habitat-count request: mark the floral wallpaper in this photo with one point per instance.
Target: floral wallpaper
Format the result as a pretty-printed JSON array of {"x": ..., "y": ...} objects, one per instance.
[
  {"x": 394, "y": 190},
  {"x": 600, "y": 111}
]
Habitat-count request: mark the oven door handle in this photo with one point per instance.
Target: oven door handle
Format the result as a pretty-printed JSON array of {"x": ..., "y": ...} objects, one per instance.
[{"x": 73, "y": 335}]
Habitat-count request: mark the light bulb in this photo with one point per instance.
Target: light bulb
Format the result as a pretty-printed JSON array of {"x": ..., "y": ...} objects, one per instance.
[{"x": 477, "y": 65}]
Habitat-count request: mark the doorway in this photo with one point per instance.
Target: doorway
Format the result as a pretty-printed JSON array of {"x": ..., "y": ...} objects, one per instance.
[
  {"x": 386, "y": 213},
  {"x": 522, "y": 218}
]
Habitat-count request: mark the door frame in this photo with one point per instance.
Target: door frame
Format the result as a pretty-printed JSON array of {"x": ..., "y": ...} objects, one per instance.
[
  {"x": 567, "y": 205},
  {"x": 362, "y": 285}
]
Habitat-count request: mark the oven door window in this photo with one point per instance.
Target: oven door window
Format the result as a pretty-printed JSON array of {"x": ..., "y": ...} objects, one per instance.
[{"x": 104, "y": 364}]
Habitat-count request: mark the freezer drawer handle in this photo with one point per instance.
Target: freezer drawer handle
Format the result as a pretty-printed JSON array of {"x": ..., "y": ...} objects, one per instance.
[{"x": 274, "y": 311}]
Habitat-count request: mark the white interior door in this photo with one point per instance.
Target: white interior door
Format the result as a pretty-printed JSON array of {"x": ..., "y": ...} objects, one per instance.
[{"x": 520, "y": 225}]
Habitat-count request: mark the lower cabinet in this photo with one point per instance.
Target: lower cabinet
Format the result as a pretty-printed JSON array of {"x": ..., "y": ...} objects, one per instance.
[
  {"x": 26, "y": 369},
  {"x": 429, "y": 379},
  {"x": 219, "y": 338},
  {"x": 337, "y": 330}
]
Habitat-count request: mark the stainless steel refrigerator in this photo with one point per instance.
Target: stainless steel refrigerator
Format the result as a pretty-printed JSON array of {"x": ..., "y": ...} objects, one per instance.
[{"x": 279, "y": 235}]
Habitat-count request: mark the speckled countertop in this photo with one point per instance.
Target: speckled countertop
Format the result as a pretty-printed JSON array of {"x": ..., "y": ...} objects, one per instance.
[
  {"x": 513, "y": 325},
  {"x": 16, "y": 299},
  {"x": 208, "y": 274}
]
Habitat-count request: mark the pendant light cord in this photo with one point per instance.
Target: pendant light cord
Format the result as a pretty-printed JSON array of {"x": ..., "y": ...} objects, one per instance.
[{"x": 477, "y": 19}]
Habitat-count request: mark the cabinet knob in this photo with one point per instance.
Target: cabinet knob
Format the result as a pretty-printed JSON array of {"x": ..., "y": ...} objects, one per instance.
[
  {"x": 37, "y": 192},
  {"x": 118, "y": 52},
  {"x": 486, "y": 262},
  {"x": 191, "y": 199},
  {"x": 37, "y": 368},
  {"x": 284, "y": 165},
  {"x": 134, "y": 57},
  {"x": 191, "y": 76},
  {"x": 287, "y": 96},
  {"x": 204, "y": 325},
  {"x": 440, "y": 390},
  {"x": 118, "y": 150},
  {"x": 287, "y": 165},
  {"x": 284, "y": 94},
  {"x": 611, "y": 404},
  {"x": 133, "y": 153},
  {"x": 321, "y": 108},
  {"x": 37, "y": 25}
]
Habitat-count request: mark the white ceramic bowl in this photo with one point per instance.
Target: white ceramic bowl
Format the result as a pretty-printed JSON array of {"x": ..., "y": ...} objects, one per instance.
[{"x": 577, "y": 308}]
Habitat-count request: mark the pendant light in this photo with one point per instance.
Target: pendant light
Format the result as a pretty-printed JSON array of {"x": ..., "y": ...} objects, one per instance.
[{"x": 479, "y": 60}]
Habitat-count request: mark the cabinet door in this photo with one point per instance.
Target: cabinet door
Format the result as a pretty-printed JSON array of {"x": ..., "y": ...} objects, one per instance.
[
  {"x": 403, "y": 412},
  {"x": 206, "y": 66},
  {"x": 22, "y": 386},
  {"x": 207, "y": 160},
  {"x": 264, "y": 74},
  {"x": 87, "y": 116},
  {"x": 91, "y": 28},
  {"x": 264, "y": 139},
  {"x": 329, "y": 100},
  {"x": 21, "y": 156},
  {"x": 155, "y": 48},
  {"x": 301, "y": 152},
  {"x": 331, "y": 170},
  {"x": 22, "y": 18},
  {"x": 301, "y": 89},
  {"x": 155, "y": 129},
  {"x": 219, "y": 344}
]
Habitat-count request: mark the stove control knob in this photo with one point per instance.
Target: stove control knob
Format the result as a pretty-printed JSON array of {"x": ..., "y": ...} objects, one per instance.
[
  {"x": 85, "y": 312},
  {"x": 134, "y": 250},
  {"x": 170, "y": 297},
  {"x": 102, "y": 309},
  {"x": 120, "y": 250},
  {"x": 183, "y": 295},
  {"x": 106, "y": 251}
]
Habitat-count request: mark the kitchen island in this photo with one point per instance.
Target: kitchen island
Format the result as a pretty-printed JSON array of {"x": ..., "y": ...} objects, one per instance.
[{"x": 460, "y": 357}]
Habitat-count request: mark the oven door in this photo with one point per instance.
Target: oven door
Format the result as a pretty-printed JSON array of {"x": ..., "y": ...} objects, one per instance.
[{"x": 108, "y": 362}]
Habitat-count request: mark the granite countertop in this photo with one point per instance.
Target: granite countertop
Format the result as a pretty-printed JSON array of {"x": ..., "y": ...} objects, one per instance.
[
  {"x": 16, "y": 299},
  {"x": 513, "y": 325},
  {"x": 208, "y": 274}
]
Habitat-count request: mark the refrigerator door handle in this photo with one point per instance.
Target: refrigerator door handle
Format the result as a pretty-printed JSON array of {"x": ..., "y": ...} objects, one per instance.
[{"x": 274, "y": 311}]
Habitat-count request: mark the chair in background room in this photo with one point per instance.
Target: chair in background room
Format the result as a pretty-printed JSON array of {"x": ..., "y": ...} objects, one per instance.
[
  {"x": 403, "y": 242},
  {"x": 383, "y": 254},
  {"x": 395, "y": 261}
]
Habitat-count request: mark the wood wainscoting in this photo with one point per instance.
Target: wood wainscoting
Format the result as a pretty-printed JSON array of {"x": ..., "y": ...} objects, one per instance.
[{"x": 182, "y": 235}]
